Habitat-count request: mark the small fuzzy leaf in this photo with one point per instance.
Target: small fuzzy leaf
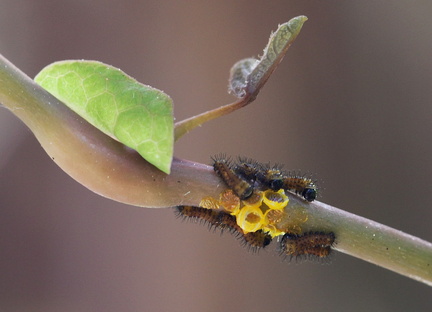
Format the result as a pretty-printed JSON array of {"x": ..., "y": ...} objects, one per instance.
[
  {"x": 274, "y": 52},
  {"x": 137, "y": 115}
]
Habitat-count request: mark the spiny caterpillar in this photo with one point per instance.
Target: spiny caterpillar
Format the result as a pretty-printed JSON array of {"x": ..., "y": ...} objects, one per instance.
[
  {"x": 219, "y": 219},
  {"x": 301, "y": 186},
  {"x": 308, "y": 245},
  {"x": 256, "y": 173},
  {"x": 247, "y": 175},
  {"x": 241, "y": 187}
]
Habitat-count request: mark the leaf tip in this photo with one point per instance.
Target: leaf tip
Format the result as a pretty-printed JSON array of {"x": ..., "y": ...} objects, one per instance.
[{"x": 295, "y": 24}]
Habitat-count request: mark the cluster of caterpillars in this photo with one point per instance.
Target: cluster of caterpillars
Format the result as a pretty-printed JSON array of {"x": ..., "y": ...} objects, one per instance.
[
  {"x": 248, "y": 178},
  {"x": 247, "y": 175}
]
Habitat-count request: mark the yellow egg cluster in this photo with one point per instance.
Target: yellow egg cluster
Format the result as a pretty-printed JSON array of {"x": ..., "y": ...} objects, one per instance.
[{"x": 261, "y": 211}]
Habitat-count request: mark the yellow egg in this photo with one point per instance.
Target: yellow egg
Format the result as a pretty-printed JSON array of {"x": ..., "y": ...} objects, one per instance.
[
  {"x": 250, "y": 219},
  {"x": 275, "y": 200}
]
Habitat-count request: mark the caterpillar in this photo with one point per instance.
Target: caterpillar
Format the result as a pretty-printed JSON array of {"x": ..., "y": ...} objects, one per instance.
[
  {"x": 265, "y": 176},
  {"x": 301, "y": 186},
  {"x": 247, "y": 174},
  {"x": 309, "y": 245},
  {"x": 224, "y": 221},
  {"x": 240, "y": 186}
]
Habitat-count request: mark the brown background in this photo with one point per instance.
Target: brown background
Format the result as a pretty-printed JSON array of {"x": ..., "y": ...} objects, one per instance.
[{"x": 351, "y": 103}]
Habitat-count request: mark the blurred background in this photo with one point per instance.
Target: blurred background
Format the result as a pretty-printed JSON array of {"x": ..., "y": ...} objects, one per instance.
[{"x": 350, "y": 103}]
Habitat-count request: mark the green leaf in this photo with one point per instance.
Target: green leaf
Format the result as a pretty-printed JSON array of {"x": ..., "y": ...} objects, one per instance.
[{"x": 137, "y": 115}]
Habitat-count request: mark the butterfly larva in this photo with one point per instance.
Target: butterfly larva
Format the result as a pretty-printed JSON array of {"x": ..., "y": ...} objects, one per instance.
[
  {"x": 307, "y": 245},
  {"x": 263, "y": 175},
  {"x": 301, "y": 186},
  {"x": 256, "y": 240},
  {"x": 247, "y": 175},
  {"x": 241, "y": 187},
  {"x": 224, "y": 221},
  {"x": 201, "y": 215}
]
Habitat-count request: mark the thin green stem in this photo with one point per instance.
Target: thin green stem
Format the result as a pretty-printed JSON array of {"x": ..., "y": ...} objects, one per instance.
[{"x": 184, "y": 126}]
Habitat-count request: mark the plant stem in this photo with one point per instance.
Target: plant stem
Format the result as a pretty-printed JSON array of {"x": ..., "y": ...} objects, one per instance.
[
  {"x": 112, "y": 170},
  {"x": 371, "y": 241}
]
